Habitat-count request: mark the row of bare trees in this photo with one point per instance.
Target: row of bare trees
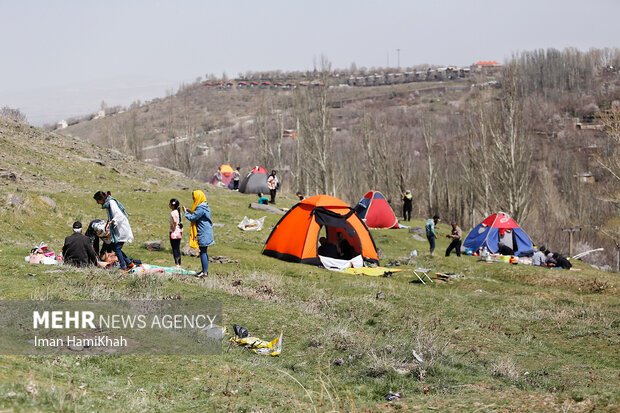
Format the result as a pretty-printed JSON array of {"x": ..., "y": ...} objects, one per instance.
[{"x": 494, "y": 154}]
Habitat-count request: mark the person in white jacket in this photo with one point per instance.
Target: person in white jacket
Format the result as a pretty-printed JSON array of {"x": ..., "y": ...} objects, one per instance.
[{"x": 120, "y": 230}]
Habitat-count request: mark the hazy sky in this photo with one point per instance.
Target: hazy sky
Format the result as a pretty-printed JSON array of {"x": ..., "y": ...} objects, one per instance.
[{"x": 62, "y": 58}]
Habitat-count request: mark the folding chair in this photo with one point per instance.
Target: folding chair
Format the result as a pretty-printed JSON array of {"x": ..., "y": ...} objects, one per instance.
[{"x": 421, "y": 273}]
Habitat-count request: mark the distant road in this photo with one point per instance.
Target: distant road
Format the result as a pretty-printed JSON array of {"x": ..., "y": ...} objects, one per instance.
[{"x": 212, "y": 131}]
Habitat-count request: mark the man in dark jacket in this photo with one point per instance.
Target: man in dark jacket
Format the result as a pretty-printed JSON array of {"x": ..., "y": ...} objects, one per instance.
[
  {"x": 407, "y": 205},
  {"x": 78, "y": 249},
  {"x": 562, "y": 262}
]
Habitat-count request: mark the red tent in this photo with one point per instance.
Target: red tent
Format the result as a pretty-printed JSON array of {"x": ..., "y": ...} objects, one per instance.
[
  {"x": 499, "y": 229},
  {"x": 375, "y": 211},
  {"x": 258, "y": 170}
]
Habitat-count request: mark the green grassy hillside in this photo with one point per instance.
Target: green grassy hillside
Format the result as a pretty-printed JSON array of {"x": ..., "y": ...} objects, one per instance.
[{"x": 498, "y": 338}]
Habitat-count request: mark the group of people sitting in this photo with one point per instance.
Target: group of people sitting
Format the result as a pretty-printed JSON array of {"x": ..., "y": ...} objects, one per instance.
[
  {"x": 82, "y": 250},
  {"x": 545, "y": 258},
  {"x": 341, "y": 250}
]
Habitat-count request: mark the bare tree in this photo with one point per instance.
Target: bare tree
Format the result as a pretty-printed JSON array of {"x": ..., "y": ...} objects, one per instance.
[
  {"x": 189, "y": 155},
  {"x": 134, "y": 141},
  {"x": 511, "y": 149},
  {"x": 12, "y": 114},
  {"x": 475, "y": 162},
  {"x": 269, "y": 130},
  {"x": 428, "y": 133},
  {"x": 610, "y": 159},
  {"x": 315, "y": 133},
  {"x": 183, "y": 153}
]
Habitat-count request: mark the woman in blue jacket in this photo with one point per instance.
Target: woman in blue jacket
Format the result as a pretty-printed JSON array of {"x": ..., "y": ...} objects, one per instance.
[{"x": 201, "y": 231}]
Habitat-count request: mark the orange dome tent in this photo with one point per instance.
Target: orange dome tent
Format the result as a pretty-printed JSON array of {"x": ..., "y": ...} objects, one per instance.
[
  {"x": 226, "y": 172},
  {"x": 295, "y": 237}
]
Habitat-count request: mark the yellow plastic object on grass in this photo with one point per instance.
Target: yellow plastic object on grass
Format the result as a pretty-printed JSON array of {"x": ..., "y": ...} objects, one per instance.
[
  {"x": 371, "y": 271},
  {"x": 258, "y": 346}
]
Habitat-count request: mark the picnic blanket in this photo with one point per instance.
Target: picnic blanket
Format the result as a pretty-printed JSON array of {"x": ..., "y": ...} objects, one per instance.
[
  {"x": 372, "y": 271},
  {"x": 155, "y": 269}
]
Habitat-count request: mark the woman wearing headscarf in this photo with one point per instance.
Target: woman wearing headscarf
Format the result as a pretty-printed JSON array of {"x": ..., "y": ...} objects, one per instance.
[
  {"x": 120, "y": 230},
  {"x": 201, "y": 231},
  {"x": 272, "y": 184}
]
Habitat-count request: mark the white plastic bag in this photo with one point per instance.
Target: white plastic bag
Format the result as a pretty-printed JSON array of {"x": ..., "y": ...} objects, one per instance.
[{"x": 248, "y": 224}]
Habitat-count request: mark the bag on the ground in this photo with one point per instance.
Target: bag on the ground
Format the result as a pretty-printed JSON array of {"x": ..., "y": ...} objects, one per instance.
[
  {"x": 248, "y": 224},
  {"x": 240, "y": 332}
]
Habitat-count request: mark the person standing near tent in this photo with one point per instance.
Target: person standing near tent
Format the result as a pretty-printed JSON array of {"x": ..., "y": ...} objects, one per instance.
[
  {"x": 120, "y": 230},
  {"x": 272, "y": 184},
  {"x": 218, "y": 177},
  {"x": 430, "y": 232},
  {"x": 176, "y": 230},
  {"x": 236, "y": 178},
  {"x": 407, "y": 205},
  {"x": 201, "y": 232},
  {"x": 456, "y": 236}
]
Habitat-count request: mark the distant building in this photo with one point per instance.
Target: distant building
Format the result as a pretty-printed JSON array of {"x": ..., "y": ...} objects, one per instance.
[
  {"x": 586, "y": 177},
  {"x": 490, "y": 66},
  {"x": 587, "y": 126},
  {"x": 490, "y": 63}
]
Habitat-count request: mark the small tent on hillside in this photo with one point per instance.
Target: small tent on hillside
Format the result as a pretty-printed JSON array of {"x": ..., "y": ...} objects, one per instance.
[
  {"x": 295, "y": 238},
  {"x": 255, "y": 182},
  {"x": 376, "y": 211},
  {"x": 497, "y": 230},
  {"x": 225, "y": 176}
]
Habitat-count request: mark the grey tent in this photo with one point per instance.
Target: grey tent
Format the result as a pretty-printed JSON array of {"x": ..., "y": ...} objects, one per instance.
[{"x": 255, "y": 182}]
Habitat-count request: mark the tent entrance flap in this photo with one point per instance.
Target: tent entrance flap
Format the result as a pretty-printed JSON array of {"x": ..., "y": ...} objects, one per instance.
[{"x": 327, "y": 218}]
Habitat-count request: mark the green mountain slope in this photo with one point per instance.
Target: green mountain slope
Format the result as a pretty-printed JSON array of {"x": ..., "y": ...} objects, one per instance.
[{"x": 498, "y": 338}]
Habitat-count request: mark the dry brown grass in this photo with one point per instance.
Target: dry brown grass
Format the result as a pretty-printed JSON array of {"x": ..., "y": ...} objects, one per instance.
[{"x": 255, "y": 285}]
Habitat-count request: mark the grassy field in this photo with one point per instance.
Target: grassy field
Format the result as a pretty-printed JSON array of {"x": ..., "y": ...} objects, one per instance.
[{"x": 498, "y": 338}]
